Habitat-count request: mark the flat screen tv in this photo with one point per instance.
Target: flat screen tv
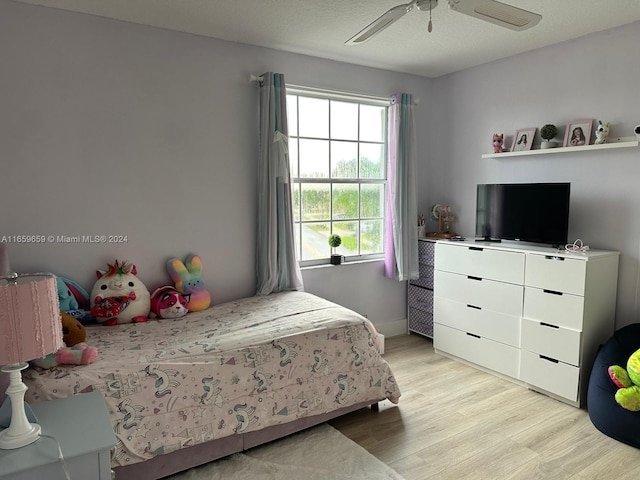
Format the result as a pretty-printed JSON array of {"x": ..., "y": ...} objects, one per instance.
[{"x": 527, "y": 212}]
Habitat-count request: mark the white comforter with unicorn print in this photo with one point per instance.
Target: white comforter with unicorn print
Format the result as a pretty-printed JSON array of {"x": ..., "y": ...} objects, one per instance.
[{"x": 233, "y": 368}]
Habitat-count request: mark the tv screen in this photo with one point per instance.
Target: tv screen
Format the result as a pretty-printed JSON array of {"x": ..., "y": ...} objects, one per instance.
[{"x": 527, "y": 212}]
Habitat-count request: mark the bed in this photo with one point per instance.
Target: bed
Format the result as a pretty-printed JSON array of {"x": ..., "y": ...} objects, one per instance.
[{"x": 181, "y": 392}]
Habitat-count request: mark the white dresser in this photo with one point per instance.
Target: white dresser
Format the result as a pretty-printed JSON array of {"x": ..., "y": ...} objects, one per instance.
[{"x": 531, "y": 314}]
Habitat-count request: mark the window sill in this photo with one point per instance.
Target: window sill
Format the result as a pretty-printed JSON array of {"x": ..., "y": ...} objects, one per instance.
[{"x": 351, "y": 262}]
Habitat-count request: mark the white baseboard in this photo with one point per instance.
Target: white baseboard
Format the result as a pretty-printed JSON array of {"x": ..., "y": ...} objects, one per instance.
[{"x": 393, "y": 328}]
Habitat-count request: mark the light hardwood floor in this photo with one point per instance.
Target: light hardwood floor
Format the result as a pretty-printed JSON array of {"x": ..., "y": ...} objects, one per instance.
[{"x": 454, "y": 421}]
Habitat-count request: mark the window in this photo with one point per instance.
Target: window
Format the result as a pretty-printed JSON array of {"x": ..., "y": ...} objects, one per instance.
[{"x": 337, "y": 150}]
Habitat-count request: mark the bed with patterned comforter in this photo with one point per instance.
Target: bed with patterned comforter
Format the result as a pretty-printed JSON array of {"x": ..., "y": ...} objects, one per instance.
[{"x": 234, "y": 368}]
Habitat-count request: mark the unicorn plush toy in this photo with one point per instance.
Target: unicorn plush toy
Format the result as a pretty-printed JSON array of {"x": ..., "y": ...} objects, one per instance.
[{"x": 119, "y": 296}]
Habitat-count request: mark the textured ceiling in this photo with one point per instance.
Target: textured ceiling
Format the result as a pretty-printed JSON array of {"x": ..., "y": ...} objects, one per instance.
[{"x": 320, "y": 27}]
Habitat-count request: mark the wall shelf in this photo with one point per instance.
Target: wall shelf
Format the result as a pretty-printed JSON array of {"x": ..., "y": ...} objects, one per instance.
[{"x": 620, "y": 142}]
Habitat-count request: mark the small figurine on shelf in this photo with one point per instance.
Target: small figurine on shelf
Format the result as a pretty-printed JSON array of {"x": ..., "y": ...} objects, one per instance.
[
  {"x": 602, "y": 132},
  {"x": 421, "y": 226},
  {"x": 498, "y": 141}
]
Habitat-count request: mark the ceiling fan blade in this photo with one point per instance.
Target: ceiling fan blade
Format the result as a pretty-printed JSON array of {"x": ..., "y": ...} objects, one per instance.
[
  {"x": 380, "y": 24},
  {"x": 497, "y": 13}
]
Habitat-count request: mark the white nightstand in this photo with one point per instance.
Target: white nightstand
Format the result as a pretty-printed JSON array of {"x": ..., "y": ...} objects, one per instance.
[{"x": 82, "y": 427}]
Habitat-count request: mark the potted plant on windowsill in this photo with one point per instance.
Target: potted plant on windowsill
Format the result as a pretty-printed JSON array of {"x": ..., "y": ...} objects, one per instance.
[
  {"x": 548, "y": 133},
  {"x": 334, "y": 242}
]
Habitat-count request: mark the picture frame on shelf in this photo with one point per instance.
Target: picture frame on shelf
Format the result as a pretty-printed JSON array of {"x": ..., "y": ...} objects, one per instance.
[
  {"x": 578, "y": 133},
  {"x": 523, "y": 139}
]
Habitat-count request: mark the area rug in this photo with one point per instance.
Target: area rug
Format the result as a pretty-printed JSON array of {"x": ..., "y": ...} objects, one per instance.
[{"x": 319, "y": 453}]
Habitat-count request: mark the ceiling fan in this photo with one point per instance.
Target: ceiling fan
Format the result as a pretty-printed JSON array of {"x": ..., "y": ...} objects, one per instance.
[{"x": 492, "y": 11}]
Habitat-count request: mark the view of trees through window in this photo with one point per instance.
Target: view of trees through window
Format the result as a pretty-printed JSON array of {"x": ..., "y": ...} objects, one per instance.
[{"x": 337, "y": 152}]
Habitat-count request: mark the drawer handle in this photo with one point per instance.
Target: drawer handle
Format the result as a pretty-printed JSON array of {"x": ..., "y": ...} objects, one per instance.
[
  {"x": 543, "y": 324},
  {"x": 474, "y": 307},
  {"x": 474, "y": 278},
  {"x": 473, "y": 335},
  {"x": 476, "y": 249},
  {"x": 548, "y": 359},
  {"x": 552, "y": 292},
  {"x": 552, "y": 257}
]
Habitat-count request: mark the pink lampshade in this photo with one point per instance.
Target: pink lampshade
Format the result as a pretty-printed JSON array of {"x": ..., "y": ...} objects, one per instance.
[{"x": 30, "y": 324}]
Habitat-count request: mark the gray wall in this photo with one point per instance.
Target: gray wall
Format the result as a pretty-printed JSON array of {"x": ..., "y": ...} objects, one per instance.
[
  {"x": 596, "y": 76},
  {"x": 114, "y": 128}
]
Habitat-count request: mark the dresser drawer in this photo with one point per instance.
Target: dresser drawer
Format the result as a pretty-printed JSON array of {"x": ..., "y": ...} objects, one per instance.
[
  {"x": 426, "y": 252},
  {"x": 421, "y": 322},
  {"x": 420, "y": 298},
  {"x": 485, "y": 323},
  {"x": 551, "y": 341},
  {"x": 495, "y": 356},
  {"x": 481, "y": 262},
  {"x": 486, "y": 294},
  {"x": 556, "y": 273},
  {"x": 553, "y": 376},
  {"x": 557, "y": 308},
  {"x": 426, "y": 276}
]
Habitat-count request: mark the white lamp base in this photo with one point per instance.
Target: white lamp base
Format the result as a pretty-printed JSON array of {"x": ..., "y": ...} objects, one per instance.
[{"x": 20, "y": 431}]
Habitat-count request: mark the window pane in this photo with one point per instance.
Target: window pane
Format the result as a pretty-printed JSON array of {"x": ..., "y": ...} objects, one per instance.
[
  {"x": 372, "y": 121},
  {"x": 345, "y": 201},
  {"x": 316, "y": 201},
  {"x": 372, "y": 160},
  {"x": 371, "y": 237},
  {"x": 314, "y": 117},
  {"x": 344, "y": 120},
  {"x": 348, "y": 232},
  {"x": 292, "y": 114},
  {"x": 315, "y": 238},
  {"x": 293, "y": 157},
  {"x": 337, "y": 160},
  {"x": 314, "y": 158},
  {"x": 344, "y": 157},
  {"x": 371, "y": 201},
  {"x": 295, "y": 192}
]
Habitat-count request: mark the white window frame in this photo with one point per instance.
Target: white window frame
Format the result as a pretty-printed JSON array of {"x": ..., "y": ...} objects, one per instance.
[{"x": 301, "y": 91}]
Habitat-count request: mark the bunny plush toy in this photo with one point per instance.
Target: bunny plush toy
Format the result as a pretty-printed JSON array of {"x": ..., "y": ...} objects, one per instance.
[{"x": 187, "y": 277}]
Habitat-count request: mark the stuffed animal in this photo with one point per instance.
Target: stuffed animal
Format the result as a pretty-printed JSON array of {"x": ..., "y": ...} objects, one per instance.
[
  {"x": 602, "y": 132},
  {"x": 628, "y": 382},
  {"x": 498, "y": 141},
  {"x": 188, "y": 279},
  {"x": 75, "y": 351},
  {"x": 119, "y": 296},
  {"x": 71, "y": 295},
  {"x": 167, "y": 302}
]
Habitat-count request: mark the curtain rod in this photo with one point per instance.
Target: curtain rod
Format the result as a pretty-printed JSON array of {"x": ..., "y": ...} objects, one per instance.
[{"x": 332, "y": 93}]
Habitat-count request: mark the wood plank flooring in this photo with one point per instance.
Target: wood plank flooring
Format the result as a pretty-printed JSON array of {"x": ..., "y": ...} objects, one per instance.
[{"x": 456, "y": 422}]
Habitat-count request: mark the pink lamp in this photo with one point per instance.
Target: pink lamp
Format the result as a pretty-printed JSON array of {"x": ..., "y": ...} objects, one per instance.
[{"x": 30, "y": 327}]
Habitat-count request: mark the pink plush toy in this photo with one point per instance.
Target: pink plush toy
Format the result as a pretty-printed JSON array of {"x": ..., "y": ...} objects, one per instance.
[
  {"x": 167, "y": 302},
  {"x": 498, "y": 140}
]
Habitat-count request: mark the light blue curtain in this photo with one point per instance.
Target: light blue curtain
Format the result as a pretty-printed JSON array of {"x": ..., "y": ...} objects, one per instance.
[
  {"x": 277, "y": 268},
  {"x": 401, "y": 232}
]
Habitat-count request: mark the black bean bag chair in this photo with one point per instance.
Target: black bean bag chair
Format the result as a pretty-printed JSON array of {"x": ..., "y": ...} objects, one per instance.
[{"x": 604, "y": 412}]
